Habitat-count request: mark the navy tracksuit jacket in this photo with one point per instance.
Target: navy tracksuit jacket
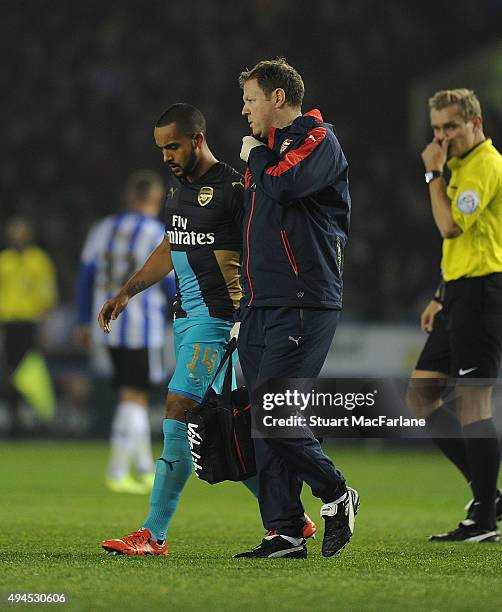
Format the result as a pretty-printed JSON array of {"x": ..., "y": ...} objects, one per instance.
[{"x": 297, "y": 210}]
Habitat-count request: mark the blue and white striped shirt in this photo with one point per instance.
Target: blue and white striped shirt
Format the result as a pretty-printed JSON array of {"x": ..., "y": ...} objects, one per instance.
[{"x": 114, "y": 249}]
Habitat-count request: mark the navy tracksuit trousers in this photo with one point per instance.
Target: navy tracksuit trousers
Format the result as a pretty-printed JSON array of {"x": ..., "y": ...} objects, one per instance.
[{"x": 269, "y": 348}]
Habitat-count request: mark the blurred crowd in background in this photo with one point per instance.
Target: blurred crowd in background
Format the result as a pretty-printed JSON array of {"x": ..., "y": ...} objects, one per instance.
[{"x": 83, "y": 83}]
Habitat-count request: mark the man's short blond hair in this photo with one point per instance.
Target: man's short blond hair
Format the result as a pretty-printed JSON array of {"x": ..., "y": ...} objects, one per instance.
[
  {"x": 275, "y": 74},
  {"x": 466, "y": 99}
]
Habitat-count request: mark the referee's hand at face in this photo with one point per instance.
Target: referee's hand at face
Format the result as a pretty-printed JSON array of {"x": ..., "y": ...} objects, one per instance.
[{"x": 435, "y": 154}]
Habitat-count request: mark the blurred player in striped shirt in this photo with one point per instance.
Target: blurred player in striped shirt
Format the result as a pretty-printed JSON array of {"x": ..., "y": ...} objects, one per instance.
[{"x": 115, "y": 247}]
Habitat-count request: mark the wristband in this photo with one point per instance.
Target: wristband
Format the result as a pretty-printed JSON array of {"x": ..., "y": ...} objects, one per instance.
[{"x": 432, "y": 174}]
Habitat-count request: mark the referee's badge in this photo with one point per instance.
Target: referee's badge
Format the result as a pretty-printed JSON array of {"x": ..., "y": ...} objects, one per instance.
[
  {"x": 468, "y": 202},
  {"x": 205, "y": 195}
]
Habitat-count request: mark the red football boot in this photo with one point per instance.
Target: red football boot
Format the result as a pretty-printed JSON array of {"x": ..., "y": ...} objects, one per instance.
[
  {"x": 309, "y": 528},
  {"x": 139, "y": 542}
]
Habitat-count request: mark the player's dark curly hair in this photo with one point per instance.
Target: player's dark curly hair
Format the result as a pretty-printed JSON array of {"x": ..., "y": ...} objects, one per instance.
[
  {"x": 276, "y": 74},
  {"x": 190, "y": 120}
]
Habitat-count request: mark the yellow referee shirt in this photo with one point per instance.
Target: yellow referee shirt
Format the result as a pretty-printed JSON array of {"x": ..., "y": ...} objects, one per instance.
[
  {"x": 27, "y": 285},
  {"x": 475, "y": 191}
]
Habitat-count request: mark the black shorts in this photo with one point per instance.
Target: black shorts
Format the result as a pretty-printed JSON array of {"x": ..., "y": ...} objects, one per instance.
[
  {"x": 19, "y": 338},
  {"x": 466, "y": 341},
  {"x": 131, "y": 367}
]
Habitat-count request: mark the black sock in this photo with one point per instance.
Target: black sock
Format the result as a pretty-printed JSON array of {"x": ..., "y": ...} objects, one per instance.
[
  {"x": 483, "y": 451},
  {"x": 444, "y": 422}
]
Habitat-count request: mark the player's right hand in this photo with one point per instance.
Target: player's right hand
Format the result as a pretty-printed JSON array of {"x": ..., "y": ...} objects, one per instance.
[
  {"x": 429, "y": 314},
  {"x": 111, "y": 310}
]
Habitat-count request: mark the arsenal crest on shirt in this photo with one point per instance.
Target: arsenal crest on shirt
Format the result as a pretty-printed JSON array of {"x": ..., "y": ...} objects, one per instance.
[{"x": 205, "y": 195}]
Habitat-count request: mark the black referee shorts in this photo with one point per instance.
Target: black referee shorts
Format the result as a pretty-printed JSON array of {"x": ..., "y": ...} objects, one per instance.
[
  {"x": 19, "y": 338},
  {"x": 466, "y": 341},
  {"x": 131, "y": 367}
]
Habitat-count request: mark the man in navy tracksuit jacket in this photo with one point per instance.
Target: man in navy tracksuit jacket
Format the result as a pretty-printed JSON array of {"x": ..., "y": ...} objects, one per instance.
[{"x": 297, "y": 210}]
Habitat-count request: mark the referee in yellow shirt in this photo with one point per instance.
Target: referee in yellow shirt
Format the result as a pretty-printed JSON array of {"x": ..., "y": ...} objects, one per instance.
[
  {"x": 27, "y": 292},
  {"x": 465, "y": 316}
]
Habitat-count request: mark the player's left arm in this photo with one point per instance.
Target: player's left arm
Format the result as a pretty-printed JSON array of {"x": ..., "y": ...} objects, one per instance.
[
  {"x": 300, "y": 172},
  {"x": 85, "y": 286},
  {"x": 85, "y": 289}
]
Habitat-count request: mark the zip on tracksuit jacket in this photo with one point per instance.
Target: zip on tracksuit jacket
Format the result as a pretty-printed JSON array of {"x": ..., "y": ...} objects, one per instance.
[{"x": 297, "y": 212}]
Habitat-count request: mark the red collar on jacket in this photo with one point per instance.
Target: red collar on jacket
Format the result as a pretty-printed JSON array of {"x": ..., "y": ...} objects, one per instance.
[{"x": 315, "y": 113}]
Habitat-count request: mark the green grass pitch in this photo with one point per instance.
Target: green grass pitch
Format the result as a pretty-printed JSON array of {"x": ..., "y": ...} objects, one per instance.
[{"x": 55, "y": 511}]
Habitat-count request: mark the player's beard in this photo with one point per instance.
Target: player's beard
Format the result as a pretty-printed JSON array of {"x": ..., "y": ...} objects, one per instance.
[{"x": 191, "y": 164}]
